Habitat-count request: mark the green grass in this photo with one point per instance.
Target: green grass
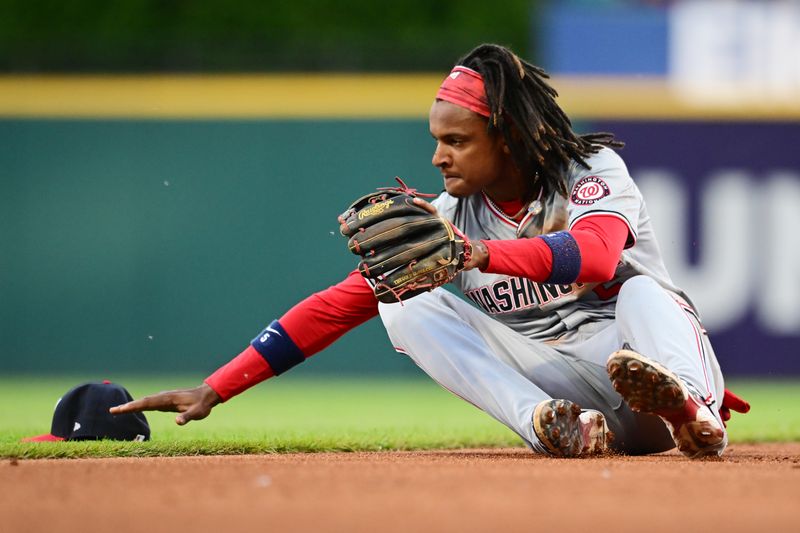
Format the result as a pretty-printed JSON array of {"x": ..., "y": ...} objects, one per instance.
[
  {"x": 283, "y": 415},
  {"x": 774, "y": 415},
  {"x": 295, "y": 415}
]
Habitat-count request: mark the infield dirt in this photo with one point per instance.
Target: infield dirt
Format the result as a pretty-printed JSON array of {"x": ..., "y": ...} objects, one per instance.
[{"x": 755, "y": 487}]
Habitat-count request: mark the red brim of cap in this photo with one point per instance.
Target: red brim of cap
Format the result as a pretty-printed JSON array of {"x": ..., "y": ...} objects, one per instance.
[{"x": 43, "y": 438}]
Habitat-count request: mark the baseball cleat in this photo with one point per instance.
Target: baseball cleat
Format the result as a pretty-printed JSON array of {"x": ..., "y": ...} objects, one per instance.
[
  {"x": 648, "y": 387},
  {"x": 568, "y": 431}
]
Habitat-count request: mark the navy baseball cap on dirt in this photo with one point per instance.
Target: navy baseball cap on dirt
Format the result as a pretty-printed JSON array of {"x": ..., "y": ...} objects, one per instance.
[{"x": 82, "y": 414}]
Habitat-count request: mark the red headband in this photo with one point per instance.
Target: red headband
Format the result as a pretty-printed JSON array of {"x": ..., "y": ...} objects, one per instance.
[{"x": 464, "y": 87}]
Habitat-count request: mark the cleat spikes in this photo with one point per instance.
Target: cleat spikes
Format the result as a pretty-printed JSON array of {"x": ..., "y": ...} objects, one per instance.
[
  {"x": 648, "y": 387},
  {"x": 564, "y": 430}
]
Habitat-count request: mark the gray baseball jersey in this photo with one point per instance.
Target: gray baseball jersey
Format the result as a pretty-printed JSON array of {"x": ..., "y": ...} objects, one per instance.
[
  {"x": 542, "y": 311},
  {"x": 508, "y": 365}
]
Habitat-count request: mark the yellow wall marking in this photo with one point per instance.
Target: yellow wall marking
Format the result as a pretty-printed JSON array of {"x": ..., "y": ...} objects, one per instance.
[{"x": 331, "y": 96}]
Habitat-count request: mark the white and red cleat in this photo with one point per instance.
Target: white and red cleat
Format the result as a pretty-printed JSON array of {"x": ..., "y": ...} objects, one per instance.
[
  {"x": 566, "y": 430},
  {"x": 648, "y": 387}
]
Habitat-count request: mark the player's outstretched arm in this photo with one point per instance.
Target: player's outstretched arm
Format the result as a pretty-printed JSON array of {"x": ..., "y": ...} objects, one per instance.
[
  {"x": 316, "y": 322},
  {"x": 191, "y": 404}
]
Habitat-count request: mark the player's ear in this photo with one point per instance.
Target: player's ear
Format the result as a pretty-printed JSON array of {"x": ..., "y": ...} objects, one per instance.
[
  {"x": 501, "y": 143},
  {"x": 515, "y": 137}
]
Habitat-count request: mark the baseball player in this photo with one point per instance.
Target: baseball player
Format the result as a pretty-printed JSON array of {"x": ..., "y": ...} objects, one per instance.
[{"x": 577, "y": 332}]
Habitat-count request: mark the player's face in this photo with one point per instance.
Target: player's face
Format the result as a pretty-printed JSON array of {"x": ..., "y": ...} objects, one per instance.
[{"x": 470, "y": 159}]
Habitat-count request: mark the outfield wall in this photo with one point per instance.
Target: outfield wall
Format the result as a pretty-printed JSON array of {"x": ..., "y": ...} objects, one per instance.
[{"x": 156, "y": 224}]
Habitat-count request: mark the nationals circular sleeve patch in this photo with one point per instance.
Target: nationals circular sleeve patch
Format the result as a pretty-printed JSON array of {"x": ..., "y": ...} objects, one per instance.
[{"x": 588, "y": 190}]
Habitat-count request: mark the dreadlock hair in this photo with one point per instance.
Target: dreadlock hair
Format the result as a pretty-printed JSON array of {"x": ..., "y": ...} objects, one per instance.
[{"x": 523, "y": 110}]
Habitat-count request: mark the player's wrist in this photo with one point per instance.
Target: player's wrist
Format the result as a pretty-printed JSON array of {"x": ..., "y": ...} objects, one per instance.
[
  {"x": 208, "y": 396},
  {"x": 480, "y": 256}
]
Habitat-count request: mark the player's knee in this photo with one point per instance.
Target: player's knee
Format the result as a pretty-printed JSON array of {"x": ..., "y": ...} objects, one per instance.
[
  {"x": 633, "y": 292},
  {"x": 635, "y": 286}
]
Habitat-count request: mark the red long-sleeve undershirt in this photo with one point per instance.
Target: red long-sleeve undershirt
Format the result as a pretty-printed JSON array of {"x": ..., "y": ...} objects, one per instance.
[
  {"x": 312, "y": 324},
  {"x": 323, "y": 317},
  {"x": 320, "y": 319},
  {"x": 600, "y": 239}
]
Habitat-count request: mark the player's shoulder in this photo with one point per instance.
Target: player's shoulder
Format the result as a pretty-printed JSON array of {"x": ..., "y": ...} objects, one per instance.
[
  {"x": 606, "y": 165},
  {"x": 607, "y": 180},
  {"x": 605, "y": 160}
]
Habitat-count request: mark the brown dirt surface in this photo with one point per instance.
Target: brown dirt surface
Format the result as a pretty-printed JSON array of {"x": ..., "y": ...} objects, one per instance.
[{"x": 754, "y": 487}]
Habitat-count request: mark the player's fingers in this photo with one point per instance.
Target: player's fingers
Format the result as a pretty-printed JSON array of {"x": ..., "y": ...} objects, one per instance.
[
  {"x": 157, "y": 402},
  {"x": 130, "y": 407},
  {"x": 194, "y": 412},
  {"x": 430, "y": 208}
]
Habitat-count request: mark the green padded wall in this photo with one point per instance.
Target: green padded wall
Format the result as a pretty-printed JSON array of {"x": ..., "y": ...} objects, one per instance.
[{"x": 158, "y": 246}]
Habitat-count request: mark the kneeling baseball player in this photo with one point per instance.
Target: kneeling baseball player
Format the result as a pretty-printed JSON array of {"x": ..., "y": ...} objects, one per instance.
[{"x": 577, "y": 332}]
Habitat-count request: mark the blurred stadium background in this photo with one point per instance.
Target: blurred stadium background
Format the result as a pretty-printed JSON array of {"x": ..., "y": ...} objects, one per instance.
[{"x": 171, "y": 172}]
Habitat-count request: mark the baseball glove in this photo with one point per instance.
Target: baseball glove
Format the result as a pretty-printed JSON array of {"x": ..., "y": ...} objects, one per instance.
[{"x": 405, "y": 249}]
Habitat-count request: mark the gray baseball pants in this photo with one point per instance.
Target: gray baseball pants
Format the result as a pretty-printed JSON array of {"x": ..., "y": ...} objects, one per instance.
[{"x": 506, "y": 374}]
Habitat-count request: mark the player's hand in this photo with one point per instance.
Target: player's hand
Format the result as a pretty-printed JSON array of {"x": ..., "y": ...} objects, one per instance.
[
  {"x": 192, "y": 404},
  {"x": 480, "y": 254}
]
